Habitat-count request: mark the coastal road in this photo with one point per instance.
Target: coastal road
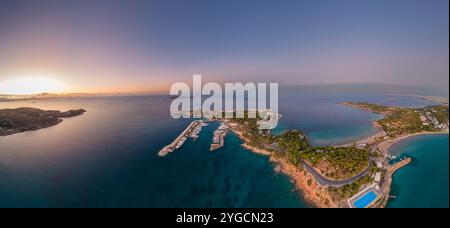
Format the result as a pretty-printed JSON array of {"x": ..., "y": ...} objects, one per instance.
[{"x": 324, "y": 181}]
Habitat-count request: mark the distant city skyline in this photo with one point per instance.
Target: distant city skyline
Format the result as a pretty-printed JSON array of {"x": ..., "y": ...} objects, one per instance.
[{"x": 145, "y": 46}]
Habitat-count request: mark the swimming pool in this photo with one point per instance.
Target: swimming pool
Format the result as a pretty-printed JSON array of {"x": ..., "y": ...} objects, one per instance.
[{"x": 365, "y": 200}]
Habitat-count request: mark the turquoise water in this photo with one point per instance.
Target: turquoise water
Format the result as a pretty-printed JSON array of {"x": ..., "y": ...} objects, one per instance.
[
  {"x": 425, "y": 182},
  {"x": 319, "y": 113},
  {"x": 108, "y": 157}
]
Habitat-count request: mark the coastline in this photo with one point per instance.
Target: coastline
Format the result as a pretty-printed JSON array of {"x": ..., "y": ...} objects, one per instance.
[
  {"x": 320, "y": 196},
  {"x": 384, "y": 148},
  {"x": 15, "y": 131},
  {"x": 306, "y": 184},
  {"x": 248, "y": 146},
  {"x": 14, "y": 121},
  {"x": 386, "y": 188},
  {"x": 371, "y": 139},
  {"x": 303, "y": 181},
  {"x": 385, "y": 145}
]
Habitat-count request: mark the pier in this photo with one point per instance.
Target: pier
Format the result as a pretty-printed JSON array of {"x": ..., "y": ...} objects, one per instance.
[
  {"x": 219, "y": 137},
  {"x": 390, "y": 170},
  {"x": 402, "y": 163},
  {"x": 192, "y": 130}
]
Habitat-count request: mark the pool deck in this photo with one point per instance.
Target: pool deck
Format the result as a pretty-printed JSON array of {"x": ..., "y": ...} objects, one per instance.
[{"x": 372, "y": 188}]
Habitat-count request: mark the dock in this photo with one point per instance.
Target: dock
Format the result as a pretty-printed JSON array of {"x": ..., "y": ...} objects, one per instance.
[
  {"x": 197, "y": 129},
  {"x": 219, "y": 137},
  {"x": 192, "y": 130}
]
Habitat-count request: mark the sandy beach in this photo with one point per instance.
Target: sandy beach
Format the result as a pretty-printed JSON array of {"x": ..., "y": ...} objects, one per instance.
[
  {"x": 385, "y": 145},
  {"x": 370, "y": 139}
]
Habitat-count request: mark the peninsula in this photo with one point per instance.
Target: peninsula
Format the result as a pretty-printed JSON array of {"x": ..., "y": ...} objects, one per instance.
[
  {"x": 352, "y": 175},
  {"x": 18, "y": 120}
]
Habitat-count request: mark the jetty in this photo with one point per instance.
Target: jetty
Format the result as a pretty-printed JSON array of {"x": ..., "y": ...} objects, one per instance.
[
  {"x": 192, "y": 130},
  {"x": 394, "y": 167},
  {"x": 219, "y": 137},
  {"x": 390, "y": 170},
  {"x": 194, "y": 133}
]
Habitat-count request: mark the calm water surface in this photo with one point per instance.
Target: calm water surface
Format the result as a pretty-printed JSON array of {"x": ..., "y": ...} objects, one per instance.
[
  {"x": 423, "y": 183},
  {"x": 108, "y": 156}
]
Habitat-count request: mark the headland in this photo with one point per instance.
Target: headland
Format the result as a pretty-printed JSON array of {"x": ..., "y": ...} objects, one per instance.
[
  {"x": 13, "y": 121},
  {"x": 357, "y": 174}
]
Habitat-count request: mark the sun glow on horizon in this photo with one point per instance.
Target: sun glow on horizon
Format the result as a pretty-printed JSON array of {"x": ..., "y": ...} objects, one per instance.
[{"x": 27, "y": 85}]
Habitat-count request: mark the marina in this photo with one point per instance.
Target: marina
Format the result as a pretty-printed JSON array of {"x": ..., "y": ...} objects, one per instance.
[
  {"x": 197, "y": 130},
  {"x": 192, "y": 131},
  {"x": 219, "y": 137}
]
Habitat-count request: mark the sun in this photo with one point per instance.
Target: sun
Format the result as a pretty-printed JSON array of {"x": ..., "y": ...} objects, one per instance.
[{"x": 31, "y": 85}]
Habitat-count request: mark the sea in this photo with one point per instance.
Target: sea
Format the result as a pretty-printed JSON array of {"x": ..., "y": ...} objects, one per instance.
[
  {"x": 424, "y": 182},
  {"x": 108, "y": 157}
]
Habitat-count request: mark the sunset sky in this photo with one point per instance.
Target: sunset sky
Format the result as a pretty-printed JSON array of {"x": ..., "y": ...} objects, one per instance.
[{"x": 145, "y": 46}]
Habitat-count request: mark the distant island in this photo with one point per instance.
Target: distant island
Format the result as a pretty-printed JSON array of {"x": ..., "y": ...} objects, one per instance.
[
  {"x": 18, "y": 120},
  {"x": 357, "y": 174},
  {"x": 43, "y": 96}
]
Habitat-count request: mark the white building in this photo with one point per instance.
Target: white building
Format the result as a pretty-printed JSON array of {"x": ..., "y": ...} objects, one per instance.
[
  {"x": 377, "y": 177},
  {"x": 379, "y": 164}
]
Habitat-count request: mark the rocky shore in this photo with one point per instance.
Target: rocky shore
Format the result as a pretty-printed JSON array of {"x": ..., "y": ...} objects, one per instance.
[
  {"x": 247, "y": 146},
  {"x": 305, "y": 182}
]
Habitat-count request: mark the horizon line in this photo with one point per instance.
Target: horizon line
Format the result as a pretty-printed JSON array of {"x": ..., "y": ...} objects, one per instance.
[{"x": 118, "y": 93}]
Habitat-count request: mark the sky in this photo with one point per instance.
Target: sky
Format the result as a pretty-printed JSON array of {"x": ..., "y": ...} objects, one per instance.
[{"x": 145, "y": 46}]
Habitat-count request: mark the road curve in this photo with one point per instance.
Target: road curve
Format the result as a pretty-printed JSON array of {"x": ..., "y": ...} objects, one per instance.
[{"x": 325, "y": 181}]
